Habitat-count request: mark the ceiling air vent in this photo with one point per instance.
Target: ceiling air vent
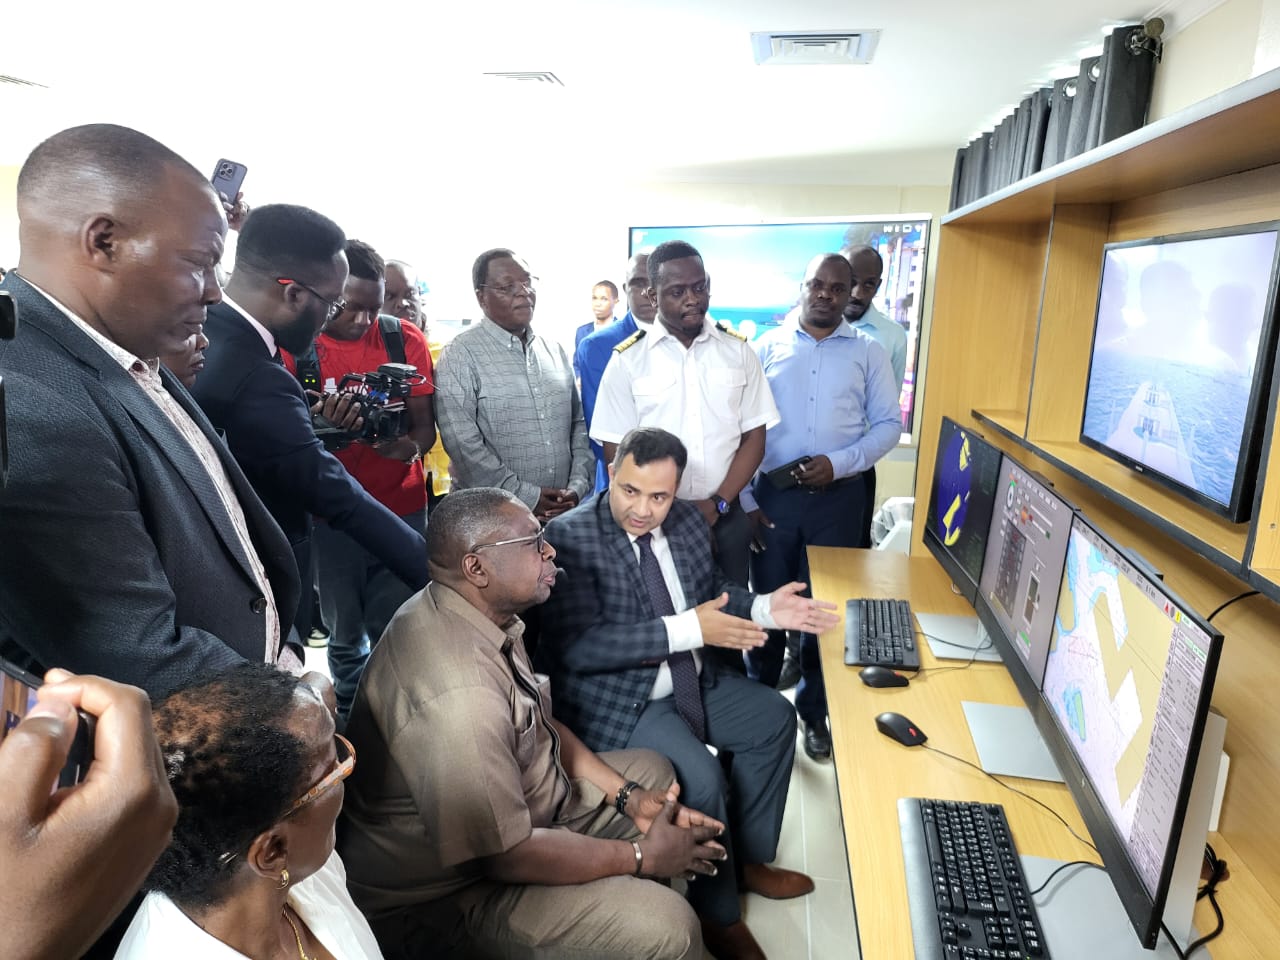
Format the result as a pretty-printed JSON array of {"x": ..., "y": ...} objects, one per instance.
[
  {"x": 814, "y": 47},
  {"x": 19, "y": 82},
  {"x": 532, "y": 76}
]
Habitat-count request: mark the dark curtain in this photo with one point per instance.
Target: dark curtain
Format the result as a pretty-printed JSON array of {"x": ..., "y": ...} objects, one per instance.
[{"x": 1107, "y": 99}]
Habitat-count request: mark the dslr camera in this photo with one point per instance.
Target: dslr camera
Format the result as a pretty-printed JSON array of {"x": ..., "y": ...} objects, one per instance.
[{"x": 382, "y": 396}]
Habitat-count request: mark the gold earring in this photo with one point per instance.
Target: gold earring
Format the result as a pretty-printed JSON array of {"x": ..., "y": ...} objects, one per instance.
[{"x": 284, "y": 879}]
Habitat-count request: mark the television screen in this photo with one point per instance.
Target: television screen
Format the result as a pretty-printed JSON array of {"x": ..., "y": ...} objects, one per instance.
[
  {"x": 756, "y": 270},
  {"x": 966, "y": 473},
  {"x": 1182, "y": 350}
]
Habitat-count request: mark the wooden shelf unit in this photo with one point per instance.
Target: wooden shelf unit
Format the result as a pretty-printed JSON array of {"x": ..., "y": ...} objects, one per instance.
[{"x": 1010, "y": 338}]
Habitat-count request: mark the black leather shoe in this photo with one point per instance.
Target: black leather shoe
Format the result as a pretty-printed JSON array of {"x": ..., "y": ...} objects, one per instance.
[{"x": 817, "y": 742}]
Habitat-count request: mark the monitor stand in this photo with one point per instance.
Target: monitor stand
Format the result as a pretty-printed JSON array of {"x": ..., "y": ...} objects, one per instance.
[
  {"x": 1008, "y": 742},
  {"x": 957, "y": 637},
  {"x": 1081, "y": 892}
]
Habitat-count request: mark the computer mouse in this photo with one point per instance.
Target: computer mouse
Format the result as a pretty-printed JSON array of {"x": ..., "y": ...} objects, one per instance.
[
  {"x": 882, "y": 677},
  {"x": 897, "y": 727}
]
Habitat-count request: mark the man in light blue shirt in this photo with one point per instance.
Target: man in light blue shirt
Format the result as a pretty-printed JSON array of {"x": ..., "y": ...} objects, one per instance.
[
  {"x": 595, "y": 349},
  {"x": 836, "y": 393},
  {"x": 862, "y": 315}
]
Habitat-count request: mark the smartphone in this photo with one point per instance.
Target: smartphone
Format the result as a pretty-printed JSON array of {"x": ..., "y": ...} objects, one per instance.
[
  {"x": 781, "y": 477},
  {"x": 17, "y": 698},
  {"x": 228, "y": 177}
]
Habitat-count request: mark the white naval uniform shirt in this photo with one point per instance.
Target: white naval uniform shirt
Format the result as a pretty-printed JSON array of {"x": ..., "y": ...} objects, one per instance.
[{"x": 707, "y": 395}]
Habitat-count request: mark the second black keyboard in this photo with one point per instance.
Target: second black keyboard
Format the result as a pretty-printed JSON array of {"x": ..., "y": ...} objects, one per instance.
[
  {"x": 965, "y": 885},
  {"x": 880, "y": 633}
]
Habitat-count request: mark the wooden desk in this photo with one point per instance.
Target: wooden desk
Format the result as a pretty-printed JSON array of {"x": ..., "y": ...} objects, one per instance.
[{"x": 873, "y": 771}]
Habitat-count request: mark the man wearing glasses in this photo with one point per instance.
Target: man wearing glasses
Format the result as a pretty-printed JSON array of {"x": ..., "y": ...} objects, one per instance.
[
  {"x": 476, "y": 823},
  {"x": 289, "y": 273},
  {"x": 507, "y": 409}
]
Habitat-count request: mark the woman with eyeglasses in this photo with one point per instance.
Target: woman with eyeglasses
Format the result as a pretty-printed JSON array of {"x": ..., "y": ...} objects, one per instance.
[{"x": 257, "y": 768}]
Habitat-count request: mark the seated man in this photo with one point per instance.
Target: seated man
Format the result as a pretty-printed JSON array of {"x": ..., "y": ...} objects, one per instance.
[
  {"x": 477, "y": 825},
  {"x": 624, "y": 636}
]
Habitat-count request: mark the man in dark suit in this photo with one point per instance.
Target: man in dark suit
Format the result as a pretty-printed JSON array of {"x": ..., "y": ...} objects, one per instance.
[
  {"x": 132, "y": 545},
  {"x": 623, "y": 639},
  {"x": 288, "y": 278}
]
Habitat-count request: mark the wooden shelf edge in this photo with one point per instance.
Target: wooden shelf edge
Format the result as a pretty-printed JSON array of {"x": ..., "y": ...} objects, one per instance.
[
  {"x": 1235, "y": 566},
  {"x": 1261, "y": 581}
]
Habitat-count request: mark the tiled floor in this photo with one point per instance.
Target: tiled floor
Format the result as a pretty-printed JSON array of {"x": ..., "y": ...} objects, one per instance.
[{"x": 821, "y": 925}]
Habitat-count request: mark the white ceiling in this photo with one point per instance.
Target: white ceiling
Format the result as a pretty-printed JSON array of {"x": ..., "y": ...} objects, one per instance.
[{"x": 666, "y": 90}]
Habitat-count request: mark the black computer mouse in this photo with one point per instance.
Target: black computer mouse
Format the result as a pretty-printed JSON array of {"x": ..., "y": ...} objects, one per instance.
[
  {"x": 882, "y": 677},
  {"x": 898, "y": 727}
]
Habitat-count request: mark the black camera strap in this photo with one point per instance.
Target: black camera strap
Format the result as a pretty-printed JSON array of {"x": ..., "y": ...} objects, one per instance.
[
  {"x": 308, "y": 364},
  {"x": 392, "y": 338}
]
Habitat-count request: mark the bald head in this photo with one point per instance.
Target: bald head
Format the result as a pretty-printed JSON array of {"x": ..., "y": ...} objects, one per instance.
[{"x": 123, "y": 232}]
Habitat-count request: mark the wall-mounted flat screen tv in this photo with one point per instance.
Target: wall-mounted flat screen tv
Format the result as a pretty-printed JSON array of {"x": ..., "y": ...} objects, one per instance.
[
  {"x": 756, "y": 270},
  {"x": 1183, "y": 346}
]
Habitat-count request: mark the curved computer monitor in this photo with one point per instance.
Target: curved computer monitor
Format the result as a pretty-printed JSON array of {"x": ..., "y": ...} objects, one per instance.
[
  {"x": 1022, "y": 572},
  {"x": 966, "y": 471},
  {"x": 1127, "y": 683},
  {"x": 1180, "y": 372}
]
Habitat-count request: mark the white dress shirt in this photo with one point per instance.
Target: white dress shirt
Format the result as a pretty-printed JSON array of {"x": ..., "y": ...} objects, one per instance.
[
  {"x": 708, "y": 395},
  {"x": 683, "y": 630}
]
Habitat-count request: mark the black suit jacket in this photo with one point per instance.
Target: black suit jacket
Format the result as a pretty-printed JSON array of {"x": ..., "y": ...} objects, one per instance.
[
  {"x": 602, "y": 642},
  {"x": 260, "y": 406},
  {"x": 116, "y": 554}
]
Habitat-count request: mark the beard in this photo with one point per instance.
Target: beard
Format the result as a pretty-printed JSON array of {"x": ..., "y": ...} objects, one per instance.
[{"x": 298, "y": 335}]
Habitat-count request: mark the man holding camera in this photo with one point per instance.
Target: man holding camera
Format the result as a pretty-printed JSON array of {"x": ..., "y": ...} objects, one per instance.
[
  {"x": 359, "y": 593},
  {"x": 289, "y": 275}
]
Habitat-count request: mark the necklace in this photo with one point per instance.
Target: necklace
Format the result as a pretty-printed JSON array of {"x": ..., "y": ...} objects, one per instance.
[{"x": 297, "y": 936}]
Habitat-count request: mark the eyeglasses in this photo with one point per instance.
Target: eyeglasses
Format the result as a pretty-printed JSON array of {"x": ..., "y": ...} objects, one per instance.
[
  {"x": 335, "y": 306},
  {"x": 346, "y": 763},
  {"x": 514, "y": 289},
  {"x": 537, "y": 539}
]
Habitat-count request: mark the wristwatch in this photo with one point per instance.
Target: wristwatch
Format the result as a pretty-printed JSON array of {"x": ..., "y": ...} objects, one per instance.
[{"x": 722, "y": 505}]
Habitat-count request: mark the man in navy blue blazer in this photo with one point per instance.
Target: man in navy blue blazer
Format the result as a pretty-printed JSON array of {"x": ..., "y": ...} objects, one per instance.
[
  {"x": 288, "y": 278},
  {"x": 595, "y": 349},
  {"x": 623, "y": 640}
]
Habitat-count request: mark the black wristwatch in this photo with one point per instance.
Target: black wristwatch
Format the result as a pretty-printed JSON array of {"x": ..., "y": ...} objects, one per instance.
[
  {"x": 621, "y": 800},
  {"x": 722, "y": 505}
]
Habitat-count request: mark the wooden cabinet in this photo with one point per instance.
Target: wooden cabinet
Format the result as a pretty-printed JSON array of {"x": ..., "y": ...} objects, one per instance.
[{"x": 1010, "y": 338}]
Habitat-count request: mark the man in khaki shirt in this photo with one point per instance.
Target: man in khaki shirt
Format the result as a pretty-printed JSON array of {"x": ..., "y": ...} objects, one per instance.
[{"x": 478, "y": 825}]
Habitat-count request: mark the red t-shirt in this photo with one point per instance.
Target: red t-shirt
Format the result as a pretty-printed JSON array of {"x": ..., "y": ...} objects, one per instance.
[{"x": 400, "y": 487}]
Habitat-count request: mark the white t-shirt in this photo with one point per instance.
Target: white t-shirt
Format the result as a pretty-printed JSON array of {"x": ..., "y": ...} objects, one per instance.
[{"x": 160, "y": 931}]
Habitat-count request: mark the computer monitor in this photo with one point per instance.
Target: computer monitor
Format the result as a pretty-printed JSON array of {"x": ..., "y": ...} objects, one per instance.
[
  {"x": 1022, "y": 572},
  {"x": 1126, "y": 691},
  {"x": 1180, "y": 372},
  {"x": 966, "y": 471}
]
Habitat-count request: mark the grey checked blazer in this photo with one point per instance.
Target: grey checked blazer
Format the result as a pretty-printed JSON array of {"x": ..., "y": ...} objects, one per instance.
[{"x": 601, "y": 641}]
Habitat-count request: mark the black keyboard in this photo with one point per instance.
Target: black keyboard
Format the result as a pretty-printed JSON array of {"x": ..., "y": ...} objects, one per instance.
[
  {"x": 968, "y": 895},
  {"x": 880, "y": 633}
]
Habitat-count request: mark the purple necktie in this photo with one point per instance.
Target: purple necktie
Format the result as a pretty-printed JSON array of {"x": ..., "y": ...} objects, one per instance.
[{"x": 684, "y": 672}]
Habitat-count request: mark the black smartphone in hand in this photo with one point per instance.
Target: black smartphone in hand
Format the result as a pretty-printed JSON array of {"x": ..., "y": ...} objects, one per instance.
[
  {"x": 783, "y": 477},
  {"x": 18, "y": 696}
]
